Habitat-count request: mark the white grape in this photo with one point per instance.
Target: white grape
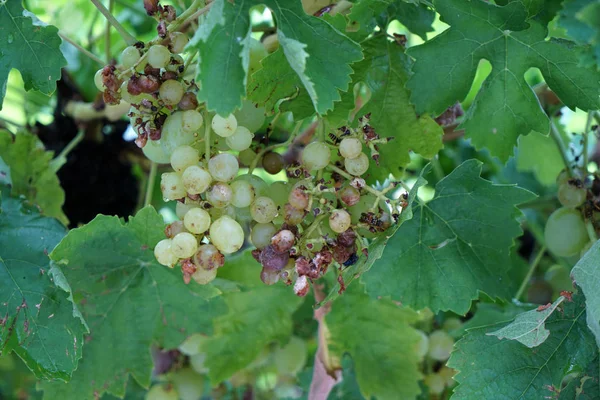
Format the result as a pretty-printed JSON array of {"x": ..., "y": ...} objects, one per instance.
[
  {"x": 172, "y": 186},
  {"x": 350, "y": 147},
  {"x": 155, "y": 152},
  {"x": 316, "y": 156},
  {"x": 178, "y": 42},
  {"x": 197, "y": 220},
  {"x": 422, "y": 346},
  {"x": 188, "y": 384},
  {"x": 98, "y": 80},
  {"x": 171, "y": 92},
  {"x": 339, "y": 221},
  {"x": 163, "y": 253},
  {"x": 183, "y": 157},
  {"x": 250, "y": 116},
  {"x": 570, "y": 195},
  {"x": 191, "y": 121},
  {"x": 184, "y": 245},
  {"x": 261, "y": 235},
  {"x": 259, "y": 185},
  {"x": 436, "y": 383},
  {"x": 224, "y": 126},
  {"x": 130, "y": 56},
  {"x": 219, "y": 195},
  {"x": 158, "y": 56},
  {"x": 182, "y": 208},
  {"x": 173, "y": 135},
  {"x": 357, "y": 166},
  {"x": 440, "y": 346},
  {"x": 162, "y": 392},
  {"x": 243, "y": 193},
  {"x": 226, "y": 235},
  {"x": 203, "y": 276},
  {"x": 565, "y": 232},
  {"x": 240, "y": 140},
  {"x": 196, "y": 179},
  {"x": 223, "y": 167},
  {"x": 263, "y": 210}
]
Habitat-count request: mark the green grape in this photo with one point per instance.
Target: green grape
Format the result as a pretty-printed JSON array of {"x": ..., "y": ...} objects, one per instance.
[
  {"x": 448, "y": 375},
  {"x": 259, "y": 185},
  {"x": 196, "y": 179},
  {"x": 198, "y": 361},
  {"x": 188, "y": 384},
  {"x": 240, "y": 140},
  {"x": 223, "y": 167},
  {"x": 250, "y": 116},
  {"x": 440, "y": 346},
  {"x": 272, "y": 162},
  {"x": 364, "y": 204},
  {"x": 452, "y": 324},
  {"x": 204, "y": 276},
  {"x": 219, "y": 195},
  {"x": 257, "y": 53},
  {"x": 291, "y": 358},
  {"x": 130, "y": 56},
  {"x": 155, "y": 152},
  {"x": 539, "y": 291},
  {"x": 98, "y": 80},
  {"x": 182, "y": 208},
  {"x": 357, "y": 166},
  {"x": 224, "y": 126},
  {"x": 172, "y": 186},
  {"x": 226, "y": 235},
  {"x": 261, "y": 235},
  {"x": 163, "y": 253},
  {"x": 184, "y": 245},
  {"x": 158, "y": 56},
  {"x": 563, "y": 177},
  {"x": 197, "y": 220},
  {"x": 174, "y": 64},
  {"x": 316, "y": 156},
  {"x": 173, "y": 134},
  {"x": 436, "y": 383},
  {"x": 423, "y": 345},
  {"x": 183, "y": 157},
  {"x": 193, "y": 344},
  {"x": 350, "y": 147},
  {"x": 178, "y": 42},
  {"x": 162, "y": 392},
  {"x": 171, "y": 92},
  {"x": 570, "y": 195},
  {"x": 559, "y": 278},
  {"x": 339, "y": 221},
  {"x": 565, "y": 232},
  {"x": 279, "y": 192},
  {"x": 263, "y": 210},
  {"x": 191, "y": 121},
  {"x": 243, "y": 193}
]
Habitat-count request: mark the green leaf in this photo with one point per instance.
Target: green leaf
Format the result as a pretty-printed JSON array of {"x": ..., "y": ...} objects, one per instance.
[
  {"x": 528, "y": 328},
  {"x": 31, "y": 47},
  {"x": 579, "y": 18},
  {"x": 31, "y": 173},
  {"x": 418, "y": 18},
  {"x": 255, "y": 319},
  {"x": 371, "y": 331},
  {"x": 505, "y": 106},
  {"x": 586, "y": 274},
  {"x": 539, "y": 154},
  {"x": 493, "y": 369},
  {"x": 38, "y": 321},
  {"x": 542, "y": 10},
  {"x": 584, "y": 386},
  {"x": 129, "y": 301},
  {"x": 454, "y": 246},
  {"x": 385, "y": 70},
  {"x": 363, "y": 15}
]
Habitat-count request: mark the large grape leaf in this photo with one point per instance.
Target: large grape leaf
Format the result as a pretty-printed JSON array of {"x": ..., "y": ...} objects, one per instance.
[
  {"x": 505, "y": 106},
  {"x": 542, "y": 10},
  {"x": 375, "y": 333},
  {"x": 129, "y": 301},
  {"x": 493, "y": 369},
  {"x": 454, "y": 246},
  {"x": 580, "y": 19},
  {"x": 32, "y": 174},
  {"x": 586, "y": 274},
  {"x": 585, "y": 386},
  {"x": 310, "y": 45},
  {"x": 38, "y": 320},
  {"x": 29, "y": 46},
  {"x": 255, "y": 319}
]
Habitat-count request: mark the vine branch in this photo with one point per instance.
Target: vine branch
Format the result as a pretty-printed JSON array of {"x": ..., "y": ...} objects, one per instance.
[{"x": 127, "y": 37}]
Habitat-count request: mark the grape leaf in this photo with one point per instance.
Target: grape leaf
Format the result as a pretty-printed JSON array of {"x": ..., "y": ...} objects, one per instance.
[
  {"x": 585, "y": 386},
  {"x": 29, "y": 46},
  {"x": 539, "y": 154},
  {"x": 542, "y": 10},
  {"x": 529, "y": 327},
  {"x": 38, "y": 321},
  {"x": 505, "y": 106},
  {"x": 255, "y": 319},
  {"x": 586, "y": 274},
  {"x": 579, "y": 18},
  {"x": 454, "y": 246},
  {"x": 111, "y": 266},
  {"x": 418, "y": 18},
  {"x": 493, "y": 369},
  {"x": 371, "y": 331},
  {"x": 31, "y": 173}
]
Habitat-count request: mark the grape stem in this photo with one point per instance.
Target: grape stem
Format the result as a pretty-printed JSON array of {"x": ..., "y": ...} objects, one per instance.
[
  {"x": 83, "y": 50},
  {"x": 532, "y": 268},
  {"x": 127, "y": 37},
  {"x": 198, "y": 8},
  {"x": 350, "y": 177},
  {"x": 274, "y": 146},
  {"x": 61, "y": 159},
  {"x": 107, "y": 33},
  {"x": 150, "y": 183},
  {"x": 561, "y": 147}
]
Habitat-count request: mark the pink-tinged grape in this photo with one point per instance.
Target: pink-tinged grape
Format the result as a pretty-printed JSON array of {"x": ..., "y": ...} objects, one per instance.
[
  {"x": 172, "y": 186},
  {"x": 565, "y": 232},
  {"x": 440, "y": 346},
  {"x": 243, "y": 193},
  {"x": 197, "y": 220},
  {"x": 183, "y": 157},
  {"x": 261, "y": 235},
  {"x": 184, "y": 245},
  {"x": 204, "y": 276},
  {"x": 224, "y": 126},
  {"x": 316, "y": 156},
  {"x": 226, "y": 235},
  {"x": 171, "y": 92},
  {"x": 223, "y": 167},
  {"x": 349, "y": 195},
  {"x": 272, "y": 259},
  {"x": 263, "y": 210},
  {"x": 339, "y": 221},
  {"x": 240, "y": 140},
  {"x": 163, "y": 253},
  {"x": 357, "y": 166},
  {"x": 209, "y": 257},
  {"x": 571, "y": 195},
  {"x": 350, "y": 147},
  {"x": 196, "y": 179},
  {"x": 158, "y": 56},
  {"x": 219, "y": 195},
  {"x": 130, "y": 56},
  {"x": 298, "y": 198},
  {"x": 174, "y": 228},
  {"x": 283, "y": 241},
  {"x": 292, "y": 215},
  {"x": 191, "y": 121}
]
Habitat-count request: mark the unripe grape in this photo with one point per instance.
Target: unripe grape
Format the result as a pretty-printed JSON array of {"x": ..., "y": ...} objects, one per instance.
[
  {"x": 158, "y": 56},
  {"x": 448, "y": 375},
  {"x": 184, "y": 157},
  {"x": 250, "y": 116},
  {"x": 272, "y": 162},
  {"x": 197, "y": 220},
  {"x": 316, "y": 156},
  {"x": 263, "y": 210},
  {"x": 191, "y": 121},
  {"x": 269, "y": 276},
  {"x": 350, "y": 147},
  {"x": 291, "y": 358},
  {"x": 226, "y": 235},
  {"x": 209, "y": 257},
  {"x": 189, "y": 385},
  {"x": 171, "y": 92},
  {"x": 98, "y": 80},
  {"x": 423, "y": 344},
  {"x": 196, "y": 179},
  {"x": 173, "y": 134},
  {"x": 172, "y": 186},
  {"x": 349, "y": 195},
  {"x": 259, "y": 185},
  {"x": 162, "y": 392},
  {"x": 163, "y": 253},
  {"x": 216, "y": 213},
  {"x": 435, "y": 383},
  {"x": 184, "y": 245},
  {"x": 219, "y": 195},
  {"x": 563, "y": 177},
  {"x": 243, "y": 193},
  {"x": 155, "y": 152},
  {"x": 257, "y": 53},
  {"x": 452, "y": 324},
  {"x": 261, "y": 235},
  {"x": 178, "y": 42},
  {"x": 357, "y": 166},
  {"x": 224, "y": 126},
  {"x": 223, "y": 167},
  {"x": 247, "y": 156},
  {"x": 571, "y": 195},
  {"x": 240, "y": 140},
  {"x": 339, "y": 221},
  {"x": 440, "y": 346},
  {"x": 182, "y": 208},
  {"x": 129, "y": 57},
  {"x": 565, "y": 232},
  {"x": 204, "y": 276}
]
